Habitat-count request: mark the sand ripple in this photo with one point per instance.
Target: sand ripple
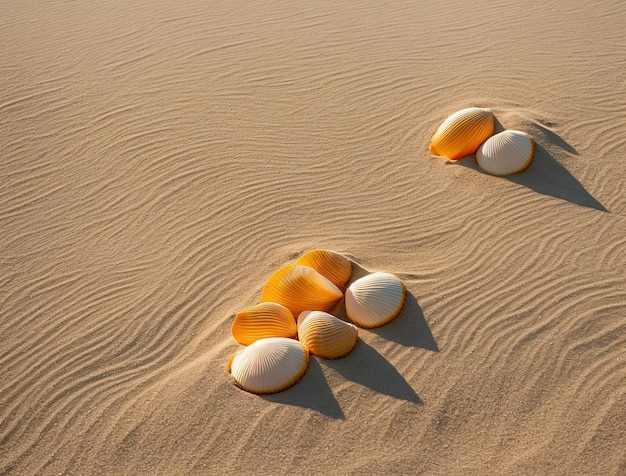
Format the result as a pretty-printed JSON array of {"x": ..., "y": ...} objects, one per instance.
[{"x": 161, "y": 159}]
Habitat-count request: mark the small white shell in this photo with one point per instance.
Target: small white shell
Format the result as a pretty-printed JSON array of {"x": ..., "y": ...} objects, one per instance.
[
  {"x": 506, "y": 153},
  {"x": 324, "y": 335},
  {"x": 269, "y": 365},
  {"x": 268, "y": 319},
  {"x": 375, "y": 299}
]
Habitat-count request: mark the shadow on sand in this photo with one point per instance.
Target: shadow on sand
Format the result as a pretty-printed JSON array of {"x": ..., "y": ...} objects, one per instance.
[
  {"x": 545, "y": 174},
  {"x": 365, "y": 366},
  {"x": 311, "y": 392},
  {"x": 409, "y": 328}
]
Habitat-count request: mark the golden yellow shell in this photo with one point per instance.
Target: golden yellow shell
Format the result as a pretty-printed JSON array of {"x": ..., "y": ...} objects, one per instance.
[
  {"x": 268, "y": 319},
  {"x": 269, "y": 365},
  {"x": 324, "y": 335},
  {"x": 300, "y": 288},
  {"x": 330, "y": 264},
  {"x": 375, "y": 299},
  {"x": 462, "y": 133}
]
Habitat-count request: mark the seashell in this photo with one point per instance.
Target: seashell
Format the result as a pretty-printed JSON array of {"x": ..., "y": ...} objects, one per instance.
[
  {"x": 462, "y": 133},
  {"x": 299, "y": 288},
  {"x": 333, "y": 266},
  {"x": 375, "y": 299},
  {"x": 268, "y": 319},
  {"x": 269, "y": 365},
  {"x": 506, "y": 153},
  {"x": 324, "y": 335}
]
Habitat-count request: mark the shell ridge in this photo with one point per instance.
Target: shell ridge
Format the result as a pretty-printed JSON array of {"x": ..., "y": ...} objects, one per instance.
[
  {"x": 382, "y": 298},
  {"x": 301, "y": 288},
  {"x": 462, "y": 133},
  {"x": 267, "y": 319},
  {"x": 269, "y": 365},
  {"x": 325, "y": 335},
  {"x": 506, "y": 153},
  {"x": 330, "y": 264}
]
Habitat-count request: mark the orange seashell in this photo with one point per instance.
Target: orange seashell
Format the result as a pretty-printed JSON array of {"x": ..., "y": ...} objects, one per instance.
[
  {"x": 268, "y": 319},
  {"x": 269, "y": 365},
  {"x": 375, "y": 299},
  {"x": 506, "y": 153},
  {"x": 462, "y": 133},
  {"x": 299, "y": 288},
  {"x": 324, "y": 335},
  {"x": 330, "y": 264}
]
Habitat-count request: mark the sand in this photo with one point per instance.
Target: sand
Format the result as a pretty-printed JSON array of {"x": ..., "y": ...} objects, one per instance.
[{"x": 161, "y": 159}]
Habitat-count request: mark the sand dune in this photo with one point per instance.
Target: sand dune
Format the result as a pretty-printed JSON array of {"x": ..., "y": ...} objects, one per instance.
[{"x": 160, "y": 160}]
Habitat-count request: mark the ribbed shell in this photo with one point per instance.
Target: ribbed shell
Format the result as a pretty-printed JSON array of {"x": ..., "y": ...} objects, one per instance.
[
  {"x": 324, "y": 335},
  {"x": 300, "y": 288},
  {"x": 330, "y": 264},
  {"x": 462, "y": 133},
  {"x": 375, "y": 299},
  {"x": 268, "y": 319},
  {"x": 506, "y": 153},
  {"x": 269, "y": 365}
]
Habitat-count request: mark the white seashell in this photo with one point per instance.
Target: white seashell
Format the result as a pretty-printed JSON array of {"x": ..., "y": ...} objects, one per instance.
[
  {"x": 506, "y": 153},
  {"x": 462, "y": 133},
  {"x": 269, "y": 365},
  {"x": 324, "y": 335},
  {"x": 375, "y": 299},
  {"x": 268, "y": 319},
  {"x": 330, "y": 264},
  {"x": 299, "y": 288}
]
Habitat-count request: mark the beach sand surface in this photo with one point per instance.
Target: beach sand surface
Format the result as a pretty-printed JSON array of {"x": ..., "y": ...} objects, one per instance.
[{"x": 161, "y": 159}]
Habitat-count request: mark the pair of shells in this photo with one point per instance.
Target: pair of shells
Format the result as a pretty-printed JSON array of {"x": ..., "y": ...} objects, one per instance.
[
  {"x": 319, "y": 332},
  {"x": 470, "y": 131},
  {"x": 274, "y": 360},
  {"x": 273, "y": 364}
]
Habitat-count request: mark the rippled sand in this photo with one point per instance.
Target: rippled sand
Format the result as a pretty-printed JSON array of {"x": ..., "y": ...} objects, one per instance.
[{"x": 161, "y": 159}]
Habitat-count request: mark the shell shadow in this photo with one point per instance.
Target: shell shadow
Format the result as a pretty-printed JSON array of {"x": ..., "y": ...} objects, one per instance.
[
  {"x": 545, "y": 174},
  {"x": 540, "y": 131},
  {"x": 312, "y": 392},
  {"x": 365, "y": 366},
  {"x": 548, "y": 177},
  {"x": 409, "y": 329}
]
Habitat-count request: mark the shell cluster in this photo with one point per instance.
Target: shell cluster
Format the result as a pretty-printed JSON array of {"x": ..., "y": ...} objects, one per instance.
[
  {"x": 293, "y": 319},
  {"x": 471, "y": 131}
]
